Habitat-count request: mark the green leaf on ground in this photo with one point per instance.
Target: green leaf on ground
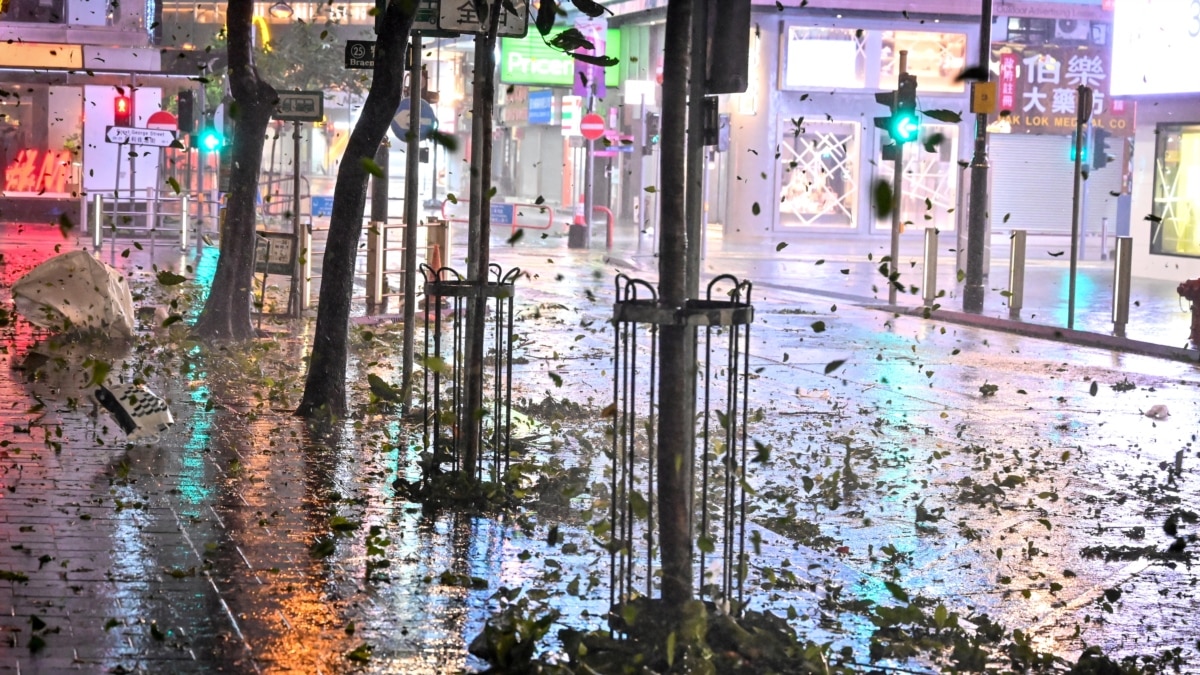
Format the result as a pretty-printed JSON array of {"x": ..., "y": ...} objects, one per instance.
[
  {"x": 834, "y": 365},
  {"x": 360, "y": 654}
]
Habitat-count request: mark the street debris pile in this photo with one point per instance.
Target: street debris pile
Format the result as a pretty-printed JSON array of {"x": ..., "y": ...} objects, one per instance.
[{"x": 76, "y": 292}]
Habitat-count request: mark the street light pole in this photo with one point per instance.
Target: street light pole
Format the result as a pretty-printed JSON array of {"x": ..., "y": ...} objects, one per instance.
[{"x": 977, "y": 229}]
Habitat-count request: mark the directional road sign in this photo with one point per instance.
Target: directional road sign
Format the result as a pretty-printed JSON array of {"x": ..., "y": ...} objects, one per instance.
[
  {"x": 135, "y": 136},
  {"x": 300, "y": 106},
  {"x": 402, "y": 122}
]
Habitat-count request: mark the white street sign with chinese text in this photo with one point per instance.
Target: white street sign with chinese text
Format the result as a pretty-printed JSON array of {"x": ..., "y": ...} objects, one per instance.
[
  {"x": 460, "y": 16},
  {"x": 136, "y": 136}
]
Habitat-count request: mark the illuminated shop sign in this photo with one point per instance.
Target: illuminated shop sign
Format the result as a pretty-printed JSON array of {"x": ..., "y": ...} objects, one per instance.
[
  {"x": 530, "y": 60},
  {"x": 36, "y": 171},
  {"x": 1037, "y": 90},
  {"x": 1153, "y": 40}
]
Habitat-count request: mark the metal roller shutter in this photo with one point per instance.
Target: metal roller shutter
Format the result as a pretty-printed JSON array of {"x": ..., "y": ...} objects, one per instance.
[{"x": 1032, "y": 184}]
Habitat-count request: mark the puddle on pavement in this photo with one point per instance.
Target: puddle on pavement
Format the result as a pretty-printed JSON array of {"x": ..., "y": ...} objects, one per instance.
[{"x": 248, "y": 540}]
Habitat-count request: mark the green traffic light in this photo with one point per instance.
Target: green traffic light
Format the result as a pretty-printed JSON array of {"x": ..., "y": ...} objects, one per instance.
[
  {"x": 906, "y": 127},
  {"x": 210, "y": 140}
]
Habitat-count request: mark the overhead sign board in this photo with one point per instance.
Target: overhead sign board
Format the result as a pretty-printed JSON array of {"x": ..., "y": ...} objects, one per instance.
[
  {"x": 360, "y": 54},
  {"x": 135, "y": 136},
  {"x": 300, "y": 106},
  {"x": 530, "y": 60},
  {"x": 460, "y": 16}
]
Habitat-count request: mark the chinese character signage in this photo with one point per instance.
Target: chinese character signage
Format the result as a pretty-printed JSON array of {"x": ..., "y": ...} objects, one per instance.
[
  {"x": 460, "y": 16},
  {"x": 1037, "y": 88}
]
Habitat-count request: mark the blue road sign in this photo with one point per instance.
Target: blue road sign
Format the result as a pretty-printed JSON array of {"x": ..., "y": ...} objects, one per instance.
[
  {"x": 401, "y": 122},
  {"x": 501, "y": 214}
]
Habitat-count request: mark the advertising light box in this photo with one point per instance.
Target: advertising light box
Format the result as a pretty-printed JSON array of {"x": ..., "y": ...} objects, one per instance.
[
  {"x": 1156, "y": 46},
  {"x": 530, "y": 60}
]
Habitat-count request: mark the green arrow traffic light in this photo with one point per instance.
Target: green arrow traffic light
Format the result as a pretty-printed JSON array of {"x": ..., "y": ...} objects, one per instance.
[
  {"x": 905, "y": 127},
  {"x": 903, "y": 123},
  {"x": 211, "y": 140},
  {"x": 906, "y": 124}
]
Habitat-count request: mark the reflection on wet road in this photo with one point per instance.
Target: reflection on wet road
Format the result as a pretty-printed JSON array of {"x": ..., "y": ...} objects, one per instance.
[{"x": 993, "y": 473}]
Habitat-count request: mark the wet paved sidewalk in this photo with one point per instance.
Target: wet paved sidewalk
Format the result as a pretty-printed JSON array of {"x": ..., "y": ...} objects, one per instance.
[{"x": 245, "y": 540}]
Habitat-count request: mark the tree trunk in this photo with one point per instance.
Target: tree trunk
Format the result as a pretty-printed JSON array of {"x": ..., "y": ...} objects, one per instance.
[
  {"x": 226, "y": 313},
  {"x": 325, "y": 385},
  {"x": 479, "y": 239},
  {"x": 676, "y": 431}
]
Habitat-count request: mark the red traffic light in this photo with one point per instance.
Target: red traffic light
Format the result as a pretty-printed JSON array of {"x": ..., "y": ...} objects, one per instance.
[{"x": 122, "y": 111}]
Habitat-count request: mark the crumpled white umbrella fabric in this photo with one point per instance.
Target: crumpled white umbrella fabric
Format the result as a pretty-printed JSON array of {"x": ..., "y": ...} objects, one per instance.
[{"x": 76, "y": 291}]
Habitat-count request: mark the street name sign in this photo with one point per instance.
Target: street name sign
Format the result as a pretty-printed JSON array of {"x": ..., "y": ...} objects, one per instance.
[
  {"x": 360, "y": 54},
  {"x": 300, "y": 106},
  {"x": 161, "y": 138}
]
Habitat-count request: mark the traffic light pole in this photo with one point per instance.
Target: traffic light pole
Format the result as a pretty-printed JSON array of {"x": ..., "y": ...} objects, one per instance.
[
  {"x": 1083, "y": 114},
  {"x": 977, "y": 229},
  {"x": 894, "y": 258},
  {"x": 297, "y": 267},
  {"x": 412, "y": 219},
  {"x": 897, "y": 190}
]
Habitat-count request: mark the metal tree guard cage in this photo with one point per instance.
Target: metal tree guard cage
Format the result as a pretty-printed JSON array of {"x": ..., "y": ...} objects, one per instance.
[
  {"x": 444, "y": 365},
  {"x": 719, "y": 496}
]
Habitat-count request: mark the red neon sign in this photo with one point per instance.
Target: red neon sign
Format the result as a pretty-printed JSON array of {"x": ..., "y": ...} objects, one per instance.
[{"x": 33, "y": 171}]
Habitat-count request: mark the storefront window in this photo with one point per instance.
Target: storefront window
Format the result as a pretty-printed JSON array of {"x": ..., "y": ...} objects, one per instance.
[
  {"x": 1177, "y": 192},
  {"x": 935, "y": 58},
  {"x": 823, "y": 57},
  {"x": 930, "y": 179},
  {"x": 819, "y": 175},
  {"x": 32, "y": 11}
]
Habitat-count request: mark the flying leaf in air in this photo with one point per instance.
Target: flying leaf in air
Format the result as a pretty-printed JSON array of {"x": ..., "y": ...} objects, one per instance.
[
  {"x": 169, "y": 278},
  {"x": 972, "y": 73}
]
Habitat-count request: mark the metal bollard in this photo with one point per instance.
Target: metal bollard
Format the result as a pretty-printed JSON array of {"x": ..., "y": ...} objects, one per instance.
[
  {"x": 1104, "y": 238},
  {"x": 306, "y": 267},
  {"x": 1016, "y": 274},
  {"x": 183, "y": 223},
  {"x": 375, "y": 266},
  {"x": 931, "y": 245},
  {"x": 1122, "y": 271},
  {"x": 96, "y": 222}
]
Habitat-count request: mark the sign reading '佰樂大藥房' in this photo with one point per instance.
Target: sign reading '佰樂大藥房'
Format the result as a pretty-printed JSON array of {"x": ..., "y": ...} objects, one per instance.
[{"x": 1036, "y": 90}]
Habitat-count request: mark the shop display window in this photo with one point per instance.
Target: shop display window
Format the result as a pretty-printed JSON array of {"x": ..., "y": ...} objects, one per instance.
[
  {"x": 1176, "y": 228},
  {"x": 841, "y": 53},
  {"x": 935, "y": 58},
  {"x": 819, "y": 175}
]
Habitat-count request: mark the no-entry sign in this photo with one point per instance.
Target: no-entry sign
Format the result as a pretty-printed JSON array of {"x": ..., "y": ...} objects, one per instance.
[{"x": 591, "y": 126}]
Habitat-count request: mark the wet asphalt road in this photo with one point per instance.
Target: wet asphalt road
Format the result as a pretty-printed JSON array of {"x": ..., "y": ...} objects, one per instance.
[{"x": 195, "y": 554}]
